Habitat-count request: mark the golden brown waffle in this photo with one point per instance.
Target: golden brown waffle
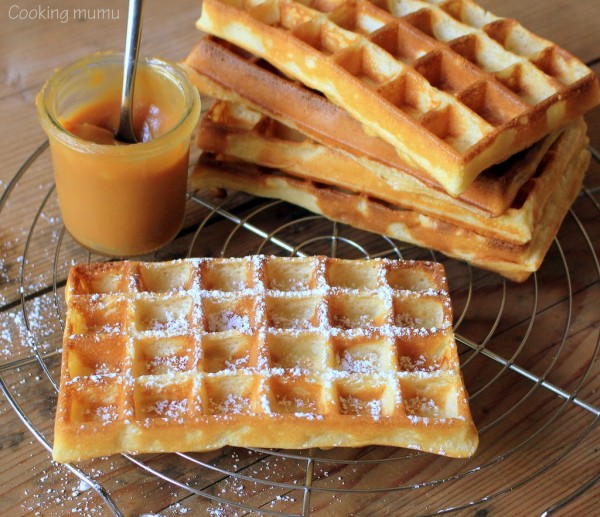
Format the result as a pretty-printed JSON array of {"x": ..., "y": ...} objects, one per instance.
[
  {"x": 246, "y": 134},
  {"x": 515, "y": 262},
  {"x": 259, "y": 351},
  {"x": 226, "y": 72},
  {"x": 452, "y": 87}
]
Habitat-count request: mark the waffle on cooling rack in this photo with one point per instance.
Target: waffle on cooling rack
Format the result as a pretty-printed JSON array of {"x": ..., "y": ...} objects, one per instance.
[
  {"x": 454, "y": 88},
  {"x": 259, "y": 352}
]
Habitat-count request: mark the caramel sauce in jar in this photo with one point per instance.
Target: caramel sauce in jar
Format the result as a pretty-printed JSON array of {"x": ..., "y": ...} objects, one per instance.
[{"x": 120, "y": 199}]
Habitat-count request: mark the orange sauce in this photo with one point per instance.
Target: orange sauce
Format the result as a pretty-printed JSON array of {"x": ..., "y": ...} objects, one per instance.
[
  {"x": 98, "y": 122},
  {"x": 124, "y": 199},
  {"x": 122, "y": 209}
]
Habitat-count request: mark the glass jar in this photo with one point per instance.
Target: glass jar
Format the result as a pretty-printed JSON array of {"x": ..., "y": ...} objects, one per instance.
[{"x": 128, "y": 199}]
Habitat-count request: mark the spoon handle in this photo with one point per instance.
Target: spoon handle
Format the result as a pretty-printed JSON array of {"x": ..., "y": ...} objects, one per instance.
[{"x": 125, "y": 132}]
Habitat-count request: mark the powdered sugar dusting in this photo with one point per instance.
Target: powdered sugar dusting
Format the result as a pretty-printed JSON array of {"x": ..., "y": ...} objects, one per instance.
[
  {"x": 230, "y": 405},
  {"x": 365, "y": 363},
  {"x": 355, "y": 406},
  {"x": 417, "y": 364},
  {"x": 347, "y": 322},
  {"x": 296, "y": 405},
  {"x": 228, "y": 320},
  {"x": 405, "y": 319},
  {"x": 171, "y": 363},
  {"x": 422, "y": 406},
  {"x": 105, "y": 414},
  {"x": 289, "y": 349},
  {"x": 172, "y": 322},
  {"x": 171, "y": 409}
]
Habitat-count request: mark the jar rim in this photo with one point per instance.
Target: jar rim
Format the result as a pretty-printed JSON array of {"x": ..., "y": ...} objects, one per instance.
[{"x": 171, "y": 71}]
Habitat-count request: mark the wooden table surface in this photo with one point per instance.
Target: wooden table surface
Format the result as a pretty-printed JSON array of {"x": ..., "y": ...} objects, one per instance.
[{"x": 529, "y": 352}]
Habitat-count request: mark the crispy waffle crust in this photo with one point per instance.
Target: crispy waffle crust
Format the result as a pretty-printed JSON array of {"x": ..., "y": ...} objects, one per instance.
[
  {"x": 513, "y": 261},
  {"x": 453, "y": 88},
  {"x": 245, "y": 134},
  {"x": 260, "y": 351},
  {"x": 223, "y": 71}
]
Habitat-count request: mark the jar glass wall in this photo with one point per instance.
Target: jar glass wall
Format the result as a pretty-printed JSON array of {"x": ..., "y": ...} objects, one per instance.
[{"x": 120, "y": 200}]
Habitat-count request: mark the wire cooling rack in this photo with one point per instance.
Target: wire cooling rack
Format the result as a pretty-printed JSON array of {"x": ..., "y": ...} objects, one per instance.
[{"x": 529, "y": 355}]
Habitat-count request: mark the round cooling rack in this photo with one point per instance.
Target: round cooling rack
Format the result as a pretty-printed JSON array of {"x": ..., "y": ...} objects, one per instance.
[{"x": 529, "y": 356}]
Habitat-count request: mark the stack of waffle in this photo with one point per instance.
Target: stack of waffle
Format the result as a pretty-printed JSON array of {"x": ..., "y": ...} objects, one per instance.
[{"x": 435, "y": 122}]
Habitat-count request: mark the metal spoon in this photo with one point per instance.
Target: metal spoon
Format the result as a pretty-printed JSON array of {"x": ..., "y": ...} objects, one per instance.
[{"x": 125, "y": 131}]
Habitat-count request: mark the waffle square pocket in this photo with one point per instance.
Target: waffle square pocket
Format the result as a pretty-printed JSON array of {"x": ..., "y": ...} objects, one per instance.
[{"x": 197, "y": 354}]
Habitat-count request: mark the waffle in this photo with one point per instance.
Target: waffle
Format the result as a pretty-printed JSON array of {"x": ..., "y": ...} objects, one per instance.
[
  {"x": 515, "y": 262},
  {"x": 452, "y": 87},
  {"x": 197, "y": 354},
  {"x": 223, "y": 71},
  {"x": 242, "y": 133}
]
